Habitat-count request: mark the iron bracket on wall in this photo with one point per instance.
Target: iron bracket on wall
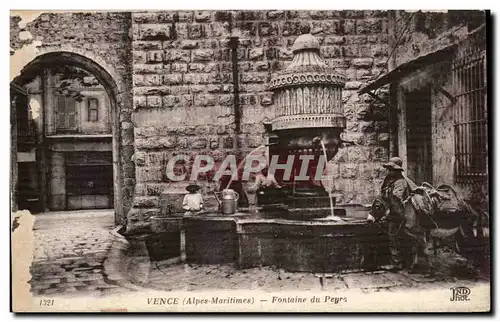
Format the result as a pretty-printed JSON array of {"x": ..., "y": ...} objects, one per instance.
[{"x": 446, "y": 93}]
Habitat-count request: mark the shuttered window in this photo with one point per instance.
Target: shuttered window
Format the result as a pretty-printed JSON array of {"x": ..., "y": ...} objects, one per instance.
[
  {"x": 470, "y": 117},
  {"x": 66, "y": 115},
  {"x": 93, "y": 109}
]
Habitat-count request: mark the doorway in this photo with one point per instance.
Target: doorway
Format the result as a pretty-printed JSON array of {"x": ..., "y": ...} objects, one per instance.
[{"x": 419, "y": 135}]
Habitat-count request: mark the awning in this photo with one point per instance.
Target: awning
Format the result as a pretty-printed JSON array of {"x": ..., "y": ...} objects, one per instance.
[
  {"x": 18, "y": 89},
  {"x": 406, "y": 68}
]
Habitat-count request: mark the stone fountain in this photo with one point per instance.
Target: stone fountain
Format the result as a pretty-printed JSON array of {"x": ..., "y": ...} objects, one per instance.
[
  {"x": 299, "y": 226},
  {"x": 308, "y": 124}
]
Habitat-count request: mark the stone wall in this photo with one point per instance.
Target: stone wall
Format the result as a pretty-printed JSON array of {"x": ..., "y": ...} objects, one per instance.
[
  {"x": 421, "y": 33},
  {"x": 183, "y": 91},
  {"x": 102, "y": 37},
  {"x": 425, "y": 34}
]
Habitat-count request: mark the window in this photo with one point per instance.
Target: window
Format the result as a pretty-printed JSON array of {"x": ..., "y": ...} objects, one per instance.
[
  {"x": 93, "y": 109},
  {"x": 65, "y": 113},
  {"x": 470, "y": 117}
]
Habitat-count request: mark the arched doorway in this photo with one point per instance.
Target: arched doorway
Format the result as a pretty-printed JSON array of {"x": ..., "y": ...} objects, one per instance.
[{"x": 67, "y": 135}]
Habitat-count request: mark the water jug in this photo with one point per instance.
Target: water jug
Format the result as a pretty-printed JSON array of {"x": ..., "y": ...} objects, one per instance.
[{"x": 229, "y": 201}]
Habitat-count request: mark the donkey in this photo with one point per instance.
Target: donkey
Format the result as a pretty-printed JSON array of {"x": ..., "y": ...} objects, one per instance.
[{"x": 430, "y": 213}]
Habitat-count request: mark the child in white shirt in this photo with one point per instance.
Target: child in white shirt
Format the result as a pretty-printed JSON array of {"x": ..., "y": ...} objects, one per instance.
[{"x": 193, "y": 201}]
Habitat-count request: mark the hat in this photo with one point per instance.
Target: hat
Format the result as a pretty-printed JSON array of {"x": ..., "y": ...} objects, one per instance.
[
  {"x": 394, "y": 163},
  {"x": 193, "y": 187}
]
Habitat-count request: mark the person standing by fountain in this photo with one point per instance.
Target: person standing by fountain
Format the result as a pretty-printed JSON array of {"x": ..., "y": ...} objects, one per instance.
[
  {"x": 395, "y": 189},
  {"x": 259, "y": 180}
]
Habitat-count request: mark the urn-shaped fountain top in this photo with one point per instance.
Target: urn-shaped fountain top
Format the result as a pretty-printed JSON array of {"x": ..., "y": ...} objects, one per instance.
[{"x": 308, "y": 93}]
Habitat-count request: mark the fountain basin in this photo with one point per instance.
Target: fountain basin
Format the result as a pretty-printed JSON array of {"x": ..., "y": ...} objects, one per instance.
[{"x": 252, "y": 240}]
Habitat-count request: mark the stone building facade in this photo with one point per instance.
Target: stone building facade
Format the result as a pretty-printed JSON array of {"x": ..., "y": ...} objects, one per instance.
[
  {"x": 170, "y": 76},
  {"x": 440, "y": 92}
]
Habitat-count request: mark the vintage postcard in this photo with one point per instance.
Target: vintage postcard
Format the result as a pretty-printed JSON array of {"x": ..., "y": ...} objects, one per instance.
[{"x": 250, "y": 161}]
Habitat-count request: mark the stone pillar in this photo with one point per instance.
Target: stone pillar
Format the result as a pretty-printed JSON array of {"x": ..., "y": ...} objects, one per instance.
[{"x": 57, "y": 181}]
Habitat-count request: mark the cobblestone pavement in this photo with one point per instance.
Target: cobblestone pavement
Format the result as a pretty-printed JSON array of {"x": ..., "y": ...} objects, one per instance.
[
  {"x": 70, "y": 249},
  {"x": 449, "y": 270}
]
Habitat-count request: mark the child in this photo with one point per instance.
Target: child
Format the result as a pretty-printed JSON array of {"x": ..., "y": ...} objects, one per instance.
[{"x": 193, "y": 201}]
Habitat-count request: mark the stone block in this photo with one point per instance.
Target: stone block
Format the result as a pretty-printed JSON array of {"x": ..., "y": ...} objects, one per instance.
[
  {"x": 172, "y": 79},
  {"x": 383, "y": 138},
  {"x": 140, "y": 102},
  {"x": 357, "y": 154},
  {"x": 146, "y": 202},
  {"x": 145, "y": 17},
  {"x": 154, "y": 32},
  {"x": 171, "y": 101},
  {"x": 256, "y": 53},
  {"x": 267, "y": 29},
  {"x": 381, "y": 62},
  {"x": 266, "y": 99},
  {"x": 365, "y": 75},
  {"x": 214, "y": 88},
  {"x": 149, "y": 174},
  {"x": 371, "y": 139},
  {"x": 214, "y": 143},
  {"x": 365, "y": 171},
  {"x": 202, "y": 16},
  {"x": 155, "y": 158},
  {"x": 166, "y": 17},
  {"x": 381, "y": 126},
  {"x": 261, "y": 66},
  {"x": 285, "y": 54},
  {"x": 362, "y": 62},
  {"x": 154, "y": 101},
  {"x": 254, "y": 78},
  {"x": 151, "y": 68},
  {"x": 331, "y": 52},
  {"x": 348, "y": 170},
  {"x": 156, "y": 143},
  {"x": 353, "y": 85},
  {"x": 196, "y": 31},
  {"x": 179, "y": 68},
  {"x": 357, "y": 138},
  {"x": 146, "y": 45},
  {"x": 365, "y": 51},
  {"x": 379, "y": 50},
  {"x": 275, "y": 14},
  {"x": 366, "y": 126},
  {"x": 198, "y": 78},
  {"x": 334, "y": 40},
  {"x": 339, "y": 62},
  {"x": 255, "y": 141},
  {"x": 198, "y": 143},
  {"x": 226, "y": 100},
  {"x": 154, "y": 56},
  {"x": 139, "y": 158},
  {"x": 205, "y": 100},
  {"x": 380, "y": 154},
  {"x": 188, "y": 44},
  {"x": 228, "y": 142},
  {"x": 180, "y": 55},
  {"x": 185, "y": 16}
]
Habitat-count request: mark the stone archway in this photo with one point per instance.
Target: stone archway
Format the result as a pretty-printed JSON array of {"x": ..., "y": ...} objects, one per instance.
[{"x": 103, "y": 75}]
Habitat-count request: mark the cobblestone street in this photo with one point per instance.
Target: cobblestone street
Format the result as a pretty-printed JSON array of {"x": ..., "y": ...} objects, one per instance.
[
  {"x": 70, "y": 249},
  {"x": 449, "y": 271}
]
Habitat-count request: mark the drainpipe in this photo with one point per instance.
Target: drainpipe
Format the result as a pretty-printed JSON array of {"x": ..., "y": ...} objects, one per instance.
[
  {"x": 393, "y": 87},
  {"x": 233, "y": 44}
]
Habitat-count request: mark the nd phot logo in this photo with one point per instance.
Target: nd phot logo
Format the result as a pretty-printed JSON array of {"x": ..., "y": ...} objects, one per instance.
[{"x": 460, "y": 293}]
